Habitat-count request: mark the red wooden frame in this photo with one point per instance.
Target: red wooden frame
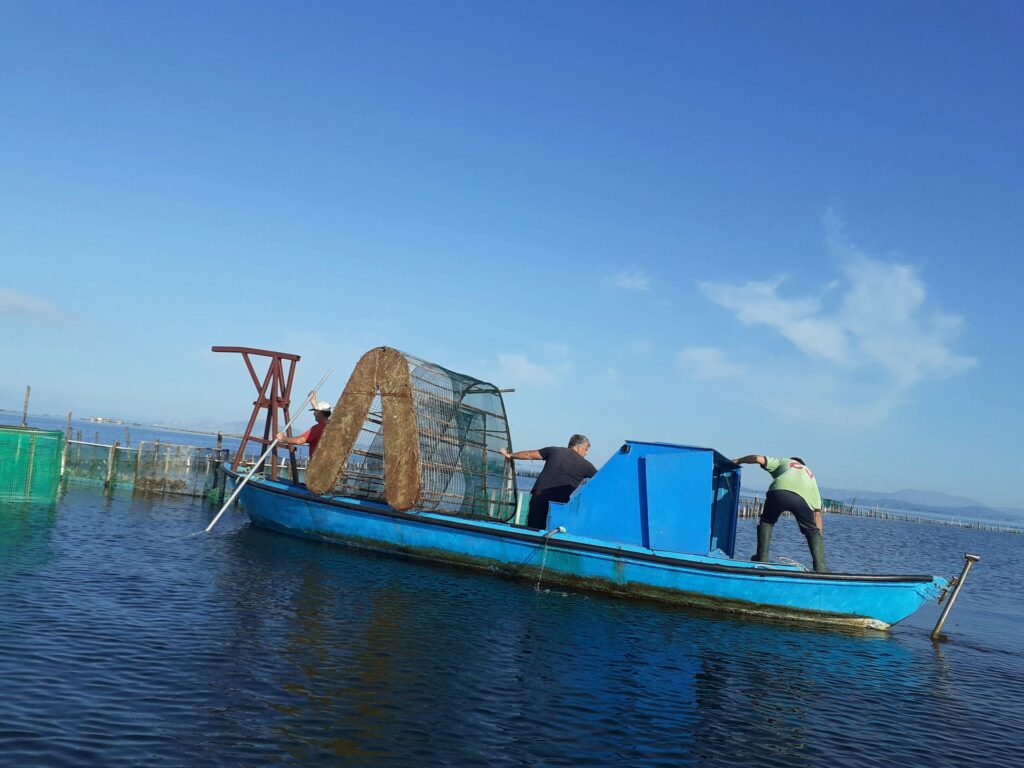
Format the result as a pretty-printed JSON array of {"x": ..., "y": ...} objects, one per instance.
[{"x": 273, "y": 393}]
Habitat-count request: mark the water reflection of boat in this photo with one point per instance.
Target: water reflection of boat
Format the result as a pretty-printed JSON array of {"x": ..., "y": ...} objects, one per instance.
[{"x": 410, "y": 464}]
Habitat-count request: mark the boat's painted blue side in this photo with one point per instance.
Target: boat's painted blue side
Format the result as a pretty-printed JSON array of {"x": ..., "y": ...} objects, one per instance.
[{"x": 867, "y": 600}]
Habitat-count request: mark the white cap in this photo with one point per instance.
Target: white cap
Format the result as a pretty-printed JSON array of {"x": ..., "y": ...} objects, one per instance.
[{"x": 323, "y": 405}]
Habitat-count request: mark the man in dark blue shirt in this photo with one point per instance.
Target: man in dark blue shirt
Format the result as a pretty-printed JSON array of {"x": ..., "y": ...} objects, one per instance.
[{"x": 564, "y": 469}]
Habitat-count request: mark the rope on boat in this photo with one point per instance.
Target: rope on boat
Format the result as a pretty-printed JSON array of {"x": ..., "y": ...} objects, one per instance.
[
  {"x": 544, "y": 554},
  {"x": 790, "y": 561}
]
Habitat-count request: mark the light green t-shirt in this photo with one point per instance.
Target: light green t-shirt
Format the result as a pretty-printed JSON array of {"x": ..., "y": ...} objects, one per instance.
[{"x": 791, "y": 475}]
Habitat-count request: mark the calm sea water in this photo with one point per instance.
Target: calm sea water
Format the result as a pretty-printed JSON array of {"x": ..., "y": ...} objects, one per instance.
[{"x": 123, "y": 641}]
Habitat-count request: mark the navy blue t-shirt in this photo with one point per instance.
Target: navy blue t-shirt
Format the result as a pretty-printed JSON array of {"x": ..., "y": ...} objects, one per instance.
[{"x": 564, "y": 470}]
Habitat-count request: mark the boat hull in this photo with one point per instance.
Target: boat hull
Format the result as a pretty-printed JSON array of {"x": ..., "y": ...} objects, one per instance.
[{"x": 777, "y": 591}]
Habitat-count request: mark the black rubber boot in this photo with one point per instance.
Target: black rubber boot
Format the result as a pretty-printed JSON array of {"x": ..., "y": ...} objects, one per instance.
[
  {"x": 764, "y": 542},
  {"x": 817, "y": 546}
]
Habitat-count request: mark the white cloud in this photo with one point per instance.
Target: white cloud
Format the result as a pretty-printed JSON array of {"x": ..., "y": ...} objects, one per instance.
[
  {"x": 515, "y": 369},
  {"x": 12, "y": 303},
  {"x": 879, "y": 321},
  {"x": 630, "y": 280},
  {"x": 825, "y": 398},
  {"x": 876, "y": 327},
  {"x": 798, "y": 320},
  {"x": 556, "y": 349},
  {"x": 706, "y": 363}
]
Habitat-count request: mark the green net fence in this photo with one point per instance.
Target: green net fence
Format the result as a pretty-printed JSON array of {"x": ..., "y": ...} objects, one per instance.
[
  {"x": 30, "y": 462},
  {"x": 182, "y": 469},
  {"x": 155, "y": 467}
]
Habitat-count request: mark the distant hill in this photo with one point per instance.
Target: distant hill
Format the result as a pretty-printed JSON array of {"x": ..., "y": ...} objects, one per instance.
[
  {"x": 925, "y": 501},
  {"x": 906, "y": 496}
]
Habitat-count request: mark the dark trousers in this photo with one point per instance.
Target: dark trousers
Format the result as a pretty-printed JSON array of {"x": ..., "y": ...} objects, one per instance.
[
  {"x": 538, "y": 515},
  {"x": 777, "y": 502}
]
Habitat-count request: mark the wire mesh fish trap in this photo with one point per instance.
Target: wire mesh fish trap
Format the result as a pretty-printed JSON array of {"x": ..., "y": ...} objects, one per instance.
[{"x": 451, "y": 425}]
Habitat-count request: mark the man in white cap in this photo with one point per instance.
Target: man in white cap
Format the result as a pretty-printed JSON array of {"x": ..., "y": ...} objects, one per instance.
[{"x": 321, "y": 412}]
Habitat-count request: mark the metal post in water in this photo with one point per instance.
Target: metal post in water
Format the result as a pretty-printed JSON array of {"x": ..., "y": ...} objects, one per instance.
[
  {"x": 24, "y": 413},
  {"x": 970, "y": 561}
]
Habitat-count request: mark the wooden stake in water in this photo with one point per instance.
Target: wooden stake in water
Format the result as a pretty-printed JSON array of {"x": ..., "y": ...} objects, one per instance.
[
  {"x": 24, "y": 412},
  {"x": 111, "y": 463},
  {"x": 261, "y": 459},
  {"x": 28, "y": 470}
]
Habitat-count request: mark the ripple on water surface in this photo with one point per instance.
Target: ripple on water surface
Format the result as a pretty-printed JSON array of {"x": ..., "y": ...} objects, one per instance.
[{"x": 123, "y": 641}]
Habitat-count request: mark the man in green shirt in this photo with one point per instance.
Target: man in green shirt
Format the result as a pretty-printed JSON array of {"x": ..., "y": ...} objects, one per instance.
[{"x": 795, "y": 490}]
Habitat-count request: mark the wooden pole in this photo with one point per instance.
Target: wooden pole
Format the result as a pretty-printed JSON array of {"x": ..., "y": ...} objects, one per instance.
[
  {"x": 127, "y": 438},
  {"x": 24, "y": 413},
  {"x": 206, "y": 475},
  {"x": 28, "y": 470},
  {"x": 111, "y": 461},
  {"x": 69, "y": 425},
  {"x": 138, "y": 461}
]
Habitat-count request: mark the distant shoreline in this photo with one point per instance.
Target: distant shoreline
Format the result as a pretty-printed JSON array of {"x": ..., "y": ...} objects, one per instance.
[{"x": 118, "y": 423}]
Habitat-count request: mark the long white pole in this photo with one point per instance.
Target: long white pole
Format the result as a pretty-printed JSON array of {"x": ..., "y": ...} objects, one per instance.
[{"x": 259, "y": 461}]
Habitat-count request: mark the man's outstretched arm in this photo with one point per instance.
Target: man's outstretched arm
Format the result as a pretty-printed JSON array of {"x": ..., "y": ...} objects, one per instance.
[
  {"x": 754, "y": 458},
  {"x": 533, "y": 455}
]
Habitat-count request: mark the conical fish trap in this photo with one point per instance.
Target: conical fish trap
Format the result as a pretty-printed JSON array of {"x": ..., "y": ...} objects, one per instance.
[{"x": 415, "y": 435}]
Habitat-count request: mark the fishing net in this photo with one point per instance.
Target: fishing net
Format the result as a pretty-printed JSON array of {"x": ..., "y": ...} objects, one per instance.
[
  {"x": 413, "y": 434},
  {"x": 153, "y": 466},
  {"x": 181, "y": 469},
  {"x": 30, "y": 464}
]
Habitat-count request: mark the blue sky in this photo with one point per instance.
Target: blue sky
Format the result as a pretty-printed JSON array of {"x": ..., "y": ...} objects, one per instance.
[{"x": 783, "y": 228}]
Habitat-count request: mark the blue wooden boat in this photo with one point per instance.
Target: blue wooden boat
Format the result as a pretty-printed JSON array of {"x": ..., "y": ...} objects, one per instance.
[
  {"x": 410, "y": 463},
  {"x": 657, "y": 521}
]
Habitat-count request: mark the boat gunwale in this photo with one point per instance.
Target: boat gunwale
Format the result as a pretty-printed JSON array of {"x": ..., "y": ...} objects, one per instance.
[{"x": 506, "y": 530}]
